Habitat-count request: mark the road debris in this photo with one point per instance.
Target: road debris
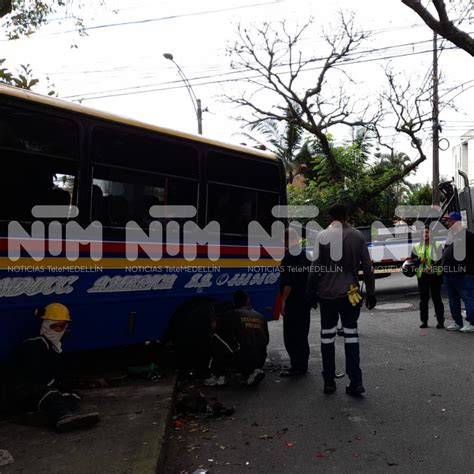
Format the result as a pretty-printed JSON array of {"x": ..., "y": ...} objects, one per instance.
[
  {"x": 5, "y": 458},
  {"x": 201, "y": 405}
]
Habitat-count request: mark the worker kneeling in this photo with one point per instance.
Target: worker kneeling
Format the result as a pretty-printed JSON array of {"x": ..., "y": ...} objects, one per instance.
[
  {"x": 40, "y": 371},
  {"x": 239, "y": 343}
]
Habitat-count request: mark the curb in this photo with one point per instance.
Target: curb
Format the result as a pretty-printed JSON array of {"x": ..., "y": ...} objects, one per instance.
[{"x": 165, "y": 436}]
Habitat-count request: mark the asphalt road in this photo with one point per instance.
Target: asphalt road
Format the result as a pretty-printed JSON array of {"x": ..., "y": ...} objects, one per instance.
[{"x": 417, "y": 414}]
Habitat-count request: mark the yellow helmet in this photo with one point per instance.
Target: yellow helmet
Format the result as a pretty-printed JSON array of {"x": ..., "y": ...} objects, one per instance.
[{"x": 56, "y": 312}]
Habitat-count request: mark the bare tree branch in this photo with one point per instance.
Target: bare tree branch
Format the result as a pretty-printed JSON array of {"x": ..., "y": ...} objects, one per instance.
[
  {"x": 443, "y": 25},
  {"x": 272, "y": 54}
]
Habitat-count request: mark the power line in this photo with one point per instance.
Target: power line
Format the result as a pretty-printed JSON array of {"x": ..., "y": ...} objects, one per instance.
[
  {"x": 374, "y": 50},
  {"x": 251, "y": 77},
  {"x": 163, "y": 18}
]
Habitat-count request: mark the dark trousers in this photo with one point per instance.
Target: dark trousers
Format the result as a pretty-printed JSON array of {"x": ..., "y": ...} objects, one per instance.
[
  {"x": 228, "y": 354},
  {"x": 59, "y": 404},
  {"x": 48, "y": 400},
  {"x": 295, "y": 333},
  {"x": 223, "y": 349},
  {"x": 331, "y": 310},
  {"x": 430, "y": 283}
]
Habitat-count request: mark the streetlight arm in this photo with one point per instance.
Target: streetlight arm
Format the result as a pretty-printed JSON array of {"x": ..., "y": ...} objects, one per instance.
[
  {"x": 196, "y": 102},
  {"x": 188, "y": 86}
]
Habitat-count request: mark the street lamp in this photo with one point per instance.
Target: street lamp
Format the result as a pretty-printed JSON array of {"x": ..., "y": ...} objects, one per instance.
[{"x": 196, "y": 102}]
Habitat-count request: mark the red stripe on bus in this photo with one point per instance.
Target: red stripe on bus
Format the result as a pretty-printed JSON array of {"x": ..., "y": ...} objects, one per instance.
[{"x": 120, "y": 247}]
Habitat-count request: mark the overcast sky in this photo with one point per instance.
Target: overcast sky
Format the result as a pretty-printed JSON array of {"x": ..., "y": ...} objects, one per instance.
[{"x": 119, "y": 66}]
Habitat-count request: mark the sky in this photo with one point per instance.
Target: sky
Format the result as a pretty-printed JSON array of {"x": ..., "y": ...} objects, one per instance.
[{"x": 119, "y": 66}]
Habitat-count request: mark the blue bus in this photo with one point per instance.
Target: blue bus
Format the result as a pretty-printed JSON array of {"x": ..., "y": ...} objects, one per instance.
[{"x": 108, "y": 170}]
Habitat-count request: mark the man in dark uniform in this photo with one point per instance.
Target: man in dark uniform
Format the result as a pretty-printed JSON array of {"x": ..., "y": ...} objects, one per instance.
[
  {"x": 40, "y": 371},
  {"x": 336, "y": 283},
  {"x": 295, "y": 308}
]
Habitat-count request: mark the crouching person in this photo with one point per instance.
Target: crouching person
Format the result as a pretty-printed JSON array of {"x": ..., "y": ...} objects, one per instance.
[
  {"x": 39, "y": 370},
  {"x": 239, "y": 343}
]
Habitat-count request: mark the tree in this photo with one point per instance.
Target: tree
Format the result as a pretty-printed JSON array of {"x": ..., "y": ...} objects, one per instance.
[
  {"x": 443, "y": 25},
  {"x": 24, "y": 17},
  {"x": 270, "y": 55},
  {"x": 360, "y": 176},
  {"x": 394, "y": 162},
  {"x": 419, "y": 194},
  {"x": 284, "y": 138}
]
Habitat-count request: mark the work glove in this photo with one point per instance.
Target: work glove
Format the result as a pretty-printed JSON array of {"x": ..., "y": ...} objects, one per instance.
[
  {"x": 370, "y": 301},
  {"x": 354, "y": 296}
]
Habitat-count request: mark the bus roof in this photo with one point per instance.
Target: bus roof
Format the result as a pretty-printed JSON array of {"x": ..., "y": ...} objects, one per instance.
[{"x": 77, "y": 108}]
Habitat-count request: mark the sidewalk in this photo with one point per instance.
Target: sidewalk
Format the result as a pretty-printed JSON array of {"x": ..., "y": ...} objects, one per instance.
[{"x": 130, "y": 437}]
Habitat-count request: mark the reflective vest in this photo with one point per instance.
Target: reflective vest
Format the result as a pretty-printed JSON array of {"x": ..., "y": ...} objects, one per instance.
[{"x": 424, "y": 251}]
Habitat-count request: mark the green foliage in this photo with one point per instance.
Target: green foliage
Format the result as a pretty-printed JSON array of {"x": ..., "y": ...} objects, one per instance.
[
  {"x": 23, "y": 78},
  {"x": 362, "y": 179},
  {"x": 26, "y": 16},
  {"x": 284, "y": 138},
  {"x": 420, "y": 194}
]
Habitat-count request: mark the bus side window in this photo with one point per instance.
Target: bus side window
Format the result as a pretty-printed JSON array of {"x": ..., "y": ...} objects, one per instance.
[
  {"x": 39, "y": 156},
  {"x": 25, "y": 184},
  {"x": 234, "y": 208},
  {"x": 266, "y": 201},
  {"x": 121, "y": 195},
  {"x": 37, "y": 132}
]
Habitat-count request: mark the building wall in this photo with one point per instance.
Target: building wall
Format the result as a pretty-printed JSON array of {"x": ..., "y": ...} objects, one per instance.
[{"x": 463, "y": 156}]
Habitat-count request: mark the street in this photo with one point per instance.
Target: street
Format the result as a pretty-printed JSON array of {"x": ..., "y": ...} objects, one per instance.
[{"x": 417, "y": 414}]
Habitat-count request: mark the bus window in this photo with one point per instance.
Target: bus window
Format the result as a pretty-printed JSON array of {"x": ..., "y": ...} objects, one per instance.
[
  {"x": 38, "y": 133},
  {"x": 232, "y": 207},
  {"x": 119, "y": 196},
  {"x": 250, "y": 173},
  {"x": 142, "y": 151},
  {"x": 25, "y": 184},
  {"x": 265, "y": 203},
  {"x": 39, "y": 157}
]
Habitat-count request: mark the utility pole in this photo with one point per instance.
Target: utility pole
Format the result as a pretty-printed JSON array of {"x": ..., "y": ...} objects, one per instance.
[
  {"x": 435, "y": 115},
  {"x": 199, "y": 115}
]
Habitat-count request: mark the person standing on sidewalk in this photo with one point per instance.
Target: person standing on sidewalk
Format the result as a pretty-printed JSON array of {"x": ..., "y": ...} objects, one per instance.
[
  {"x": 295, "y": 308},
  {"x": 459, "y": 274},
  {"x": 335, "y": 281},
  {"x": 430, "y": 277}
]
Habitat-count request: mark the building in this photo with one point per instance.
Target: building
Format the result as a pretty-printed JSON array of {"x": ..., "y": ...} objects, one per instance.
[{"x": 463, "y": 155}]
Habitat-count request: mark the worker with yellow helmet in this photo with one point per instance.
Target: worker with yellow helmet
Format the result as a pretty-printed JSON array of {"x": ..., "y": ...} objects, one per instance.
[{"x": 40, "y": 367}]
